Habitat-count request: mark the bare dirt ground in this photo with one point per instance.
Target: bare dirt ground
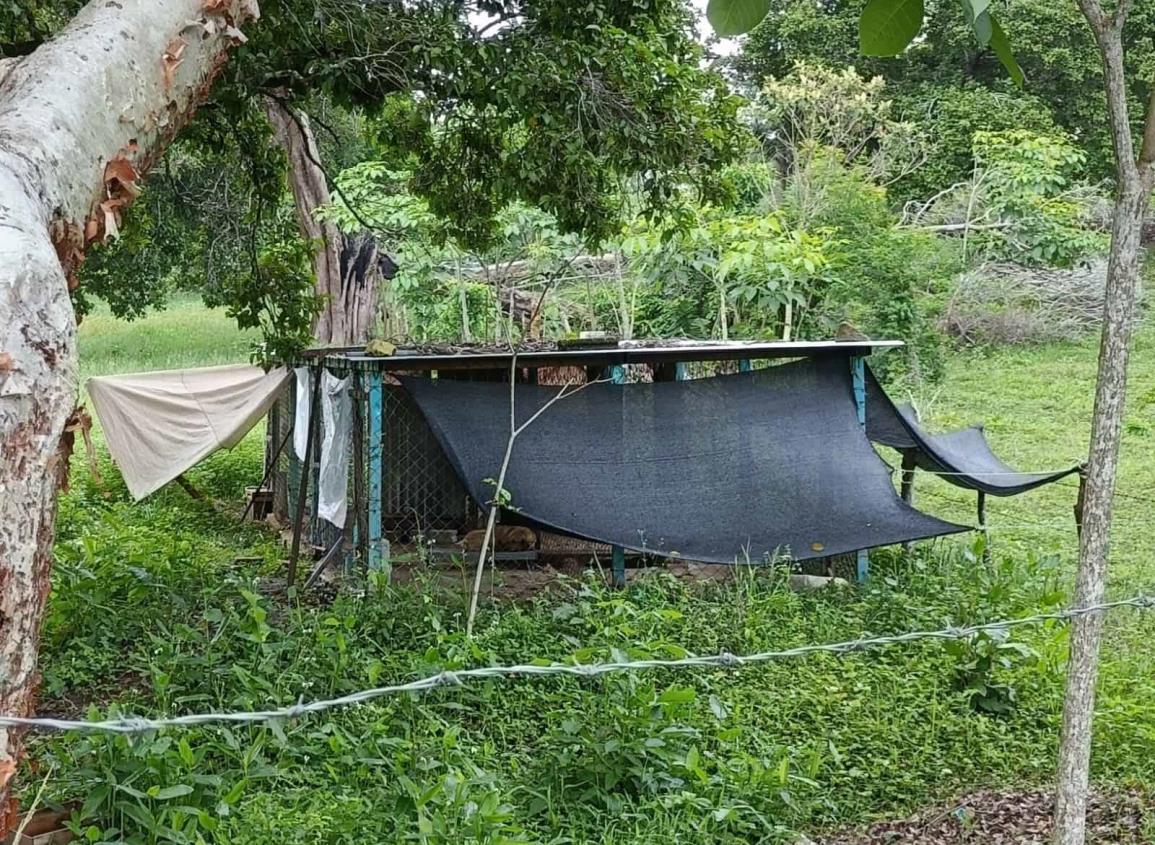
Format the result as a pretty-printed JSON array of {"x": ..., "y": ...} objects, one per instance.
[{"x": 1002, "y": 818}]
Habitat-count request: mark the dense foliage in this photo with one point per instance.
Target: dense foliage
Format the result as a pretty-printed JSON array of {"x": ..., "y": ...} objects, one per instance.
[
  {"x": 166, "y": 607},
  {"x": 1063, "y": 77},
  {"x": 578, "y": 169}
]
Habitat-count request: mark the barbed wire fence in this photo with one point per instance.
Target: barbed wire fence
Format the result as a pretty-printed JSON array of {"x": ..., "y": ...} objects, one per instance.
[{"x": 130, "y": 725}]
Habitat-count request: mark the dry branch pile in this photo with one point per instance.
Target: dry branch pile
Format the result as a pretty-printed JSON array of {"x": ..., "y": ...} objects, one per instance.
[{"x": 1002, "y": 303}]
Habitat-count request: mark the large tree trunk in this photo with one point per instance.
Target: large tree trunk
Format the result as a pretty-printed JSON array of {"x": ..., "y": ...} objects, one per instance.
[
  {"x": 1133, "y": 189},
  {"x": 349, "y": 270},
  {"x": 81, "y": 119}
]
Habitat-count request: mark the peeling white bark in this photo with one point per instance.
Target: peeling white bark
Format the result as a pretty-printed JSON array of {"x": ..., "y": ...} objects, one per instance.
[{"x": 113, "y": 87}]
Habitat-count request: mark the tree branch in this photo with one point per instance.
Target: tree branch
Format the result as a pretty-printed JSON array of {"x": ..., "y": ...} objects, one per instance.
[
  {"x": 1122, "y": 10},
  {"x": 495, "y": 506},
  {"x": 1093, "y": 12},
  {"x": 307, "y": 147},
  {"x": 1147, "y": 151}
]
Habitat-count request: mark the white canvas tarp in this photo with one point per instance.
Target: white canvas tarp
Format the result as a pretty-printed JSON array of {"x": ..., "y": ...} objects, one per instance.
[{"x": 158, "y": 425}]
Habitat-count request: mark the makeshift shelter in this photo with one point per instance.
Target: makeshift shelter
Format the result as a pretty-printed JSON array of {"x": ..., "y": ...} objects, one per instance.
[
  {"x": 711, "y": 452},
  {"x": 158, "y": 425},
  {"x": 756, "y": 459}
]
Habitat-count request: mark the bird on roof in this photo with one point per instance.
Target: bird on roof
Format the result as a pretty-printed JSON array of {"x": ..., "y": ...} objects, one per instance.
[{"x": 849, "y": 333}]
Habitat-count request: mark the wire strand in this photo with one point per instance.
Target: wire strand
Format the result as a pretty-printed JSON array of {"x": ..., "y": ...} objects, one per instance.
[{"x": 138, "y": 725}]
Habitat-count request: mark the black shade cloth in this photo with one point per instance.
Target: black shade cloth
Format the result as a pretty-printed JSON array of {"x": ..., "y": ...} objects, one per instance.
[
  {"x": 963, "y": 457},
  {"x": 726, "y": 469}
]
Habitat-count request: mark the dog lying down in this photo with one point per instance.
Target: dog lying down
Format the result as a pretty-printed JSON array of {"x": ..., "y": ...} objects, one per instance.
[{"x": 506, "y": 538}]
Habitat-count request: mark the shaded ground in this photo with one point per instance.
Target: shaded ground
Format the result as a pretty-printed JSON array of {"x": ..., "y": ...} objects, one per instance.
[{"x": 1002, "y": 818}]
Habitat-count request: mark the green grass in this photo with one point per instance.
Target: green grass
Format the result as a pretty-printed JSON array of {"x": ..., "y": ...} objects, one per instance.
[
  {"x": 1036, "y": 405},
  {"x": 186, "y": 334},
  {"x": 152, "y": 612}
]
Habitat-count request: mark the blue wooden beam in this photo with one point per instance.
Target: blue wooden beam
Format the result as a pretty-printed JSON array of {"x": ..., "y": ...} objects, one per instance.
[
  {"x": 681, "y": 371},
  {"x": 376, "y": 445},
  {"x": 619, "y": 566},
  {"x": 744, "y": 365},
  {"x": 858, "y": 372}
]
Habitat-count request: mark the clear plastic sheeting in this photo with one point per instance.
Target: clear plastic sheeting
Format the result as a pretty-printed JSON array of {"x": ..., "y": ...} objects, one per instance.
[
  {"x": 158, "y": 425},
  {"x": 336, "y": 431}
]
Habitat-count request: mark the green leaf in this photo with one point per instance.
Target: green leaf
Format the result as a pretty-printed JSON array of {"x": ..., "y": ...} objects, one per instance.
[
  {"x": 169, "y": 792},
  {"x": 983, "y": 26},
  {"x": 887, "y": 26},
  {"x": 677, "y": 695},
  {"x": 1002, "y": 48},
  {"x": 735, "y": 17}
]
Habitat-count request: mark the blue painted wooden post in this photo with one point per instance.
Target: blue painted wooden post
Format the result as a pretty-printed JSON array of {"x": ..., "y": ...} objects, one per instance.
[
  {"x": 744, "y": 365},
  {"x": 681, "y": 372},
  {"x": 619, "y": 566},
  {"x": 858, "y": 369},
  {"x": 376, "y": 443}
]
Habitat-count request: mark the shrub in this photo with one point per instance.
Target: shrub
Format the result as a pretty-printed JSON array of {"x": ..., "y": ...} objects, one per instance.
[
  {"x": 950, "y": 117},
  {"x": 1028, "y": 182},
  {"x": 883, "y": 278}
]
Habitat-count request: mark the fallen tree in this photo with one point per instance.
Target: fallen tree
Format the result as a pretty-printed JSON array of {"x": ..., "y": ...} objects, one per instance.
[{"x": 82, "y": 119}]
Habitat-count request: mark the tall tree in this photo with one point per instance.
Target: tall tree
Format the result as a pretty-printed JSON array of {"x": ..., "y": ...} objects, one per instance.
[
  {"x": 82, "y": 119},
  {"x": 1056, "y": 51},
  {"x": 545, "y": 102},
  {"x": 886, "y": 27},
  {"x": 347, "y": 270}
]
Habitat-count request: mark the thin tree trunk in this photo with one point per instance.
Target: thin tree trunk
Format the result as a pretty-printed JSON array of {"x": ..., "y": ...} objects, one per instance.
[
  {"x": 81, "y": 120},
  {"x": 1133, "y": 189},
  {"x": 1094, "y": 544},
  {"x": 348, "y": 271}
]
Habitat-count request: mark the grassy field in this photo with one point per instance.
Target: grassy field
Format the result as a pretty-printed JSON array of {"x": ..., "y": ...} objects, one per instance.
[
  {"x": 186, "y": 334},
  {"x": 158, "y": 607}
]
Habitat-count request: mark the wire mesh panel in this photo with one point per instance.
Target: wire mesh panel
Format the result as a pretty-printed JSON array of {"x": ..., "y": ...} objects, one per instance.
[
  {"x": 420, "y": 488},
  {"x": 708, "y": 369}
]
